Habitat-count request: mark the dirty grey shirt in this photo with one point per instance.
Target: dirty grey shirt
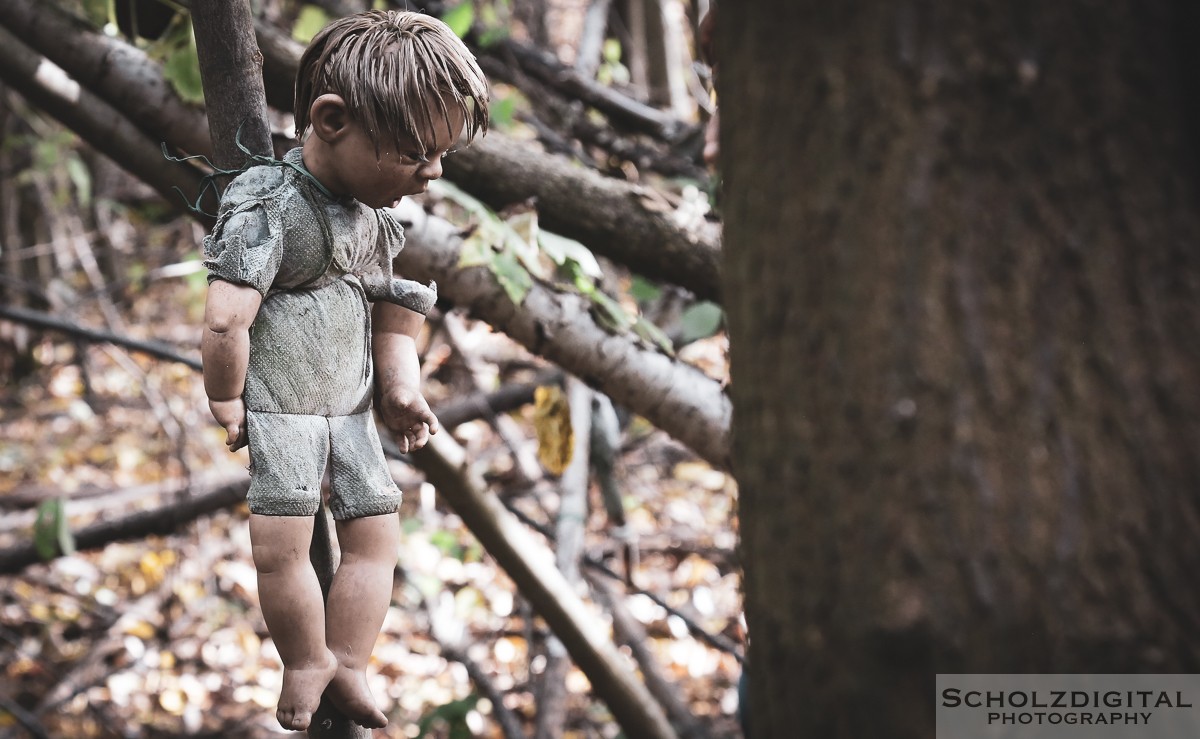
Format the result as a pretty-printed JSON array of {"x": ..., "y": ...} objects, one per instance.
[{"x": 317, "y": 261}]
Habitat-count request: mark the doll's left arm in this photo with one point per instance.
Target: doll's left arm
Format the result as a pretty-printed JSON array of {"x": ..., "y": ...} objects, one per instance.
[{"x": 398, "y": 375}]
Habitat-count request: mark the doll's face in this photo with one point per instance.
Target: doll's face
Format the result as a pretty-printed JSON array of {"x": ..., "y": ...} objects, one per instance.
[{"x": 349, "y": 166}]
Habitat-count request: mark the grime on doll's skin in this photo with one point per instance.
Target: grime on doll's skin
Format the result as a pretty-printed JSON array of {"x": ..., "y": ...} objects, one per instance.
[{"x": 306, "y": 325}]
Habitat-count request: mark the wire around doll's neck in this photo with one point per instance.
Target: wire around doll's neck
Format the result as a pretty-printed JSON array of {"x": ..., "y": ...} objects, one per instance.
[{"x": 209, "y": 181}]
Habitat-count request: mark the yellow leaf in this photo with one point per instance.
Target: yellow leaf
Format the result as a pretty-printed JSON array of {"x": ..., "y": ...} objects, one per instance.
[
  {"x": 141, "y": 629},
  {"x": 552, "y": 421},
  {"x": 154, "y": 565}
]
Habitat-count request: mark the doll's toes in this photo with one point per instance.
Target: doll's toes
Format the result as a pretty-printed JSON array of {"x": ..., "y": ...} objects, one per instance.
[
  {"x": 301, "y": 693},
  {"x": 294, "y": 720}
]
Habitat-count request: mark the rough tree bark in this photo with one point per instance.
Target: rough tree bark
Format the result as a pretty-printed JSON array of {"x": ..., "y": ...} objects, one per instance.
[{"x": 963, "y": 281}]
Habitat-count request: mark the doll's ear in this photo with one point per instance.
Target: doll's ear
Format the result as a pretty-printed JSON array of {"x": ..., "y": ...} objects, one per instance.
[{"x": 329, "y": 117}]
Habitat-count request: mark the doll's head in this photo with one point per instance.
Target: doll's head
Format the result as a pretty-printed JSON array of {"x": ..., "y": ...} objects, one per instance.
[{"x": 400, "y": 74}]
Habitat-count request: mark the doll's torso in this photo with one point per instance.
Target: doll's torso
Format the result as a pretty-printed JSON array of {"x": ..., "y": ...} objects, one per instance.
[{"x": 310, "y": 344}]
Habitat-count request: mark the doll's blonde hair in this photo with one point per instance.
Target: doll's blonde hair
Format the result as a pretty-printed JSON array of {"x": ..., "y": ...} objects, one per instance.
[{"x": 395, "y": 70}]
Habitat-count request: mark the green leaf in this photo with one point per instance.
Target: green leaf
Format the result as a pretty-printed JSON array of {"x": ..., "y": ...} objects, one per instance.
[
  {"x": 477, "y": 248},
  {"x": 459, "y": 18},
  {"x": 513, "y": 277},
  {"x": 653, "y": 335},
  {"x": 493, "y": 36},
  {"x": 97, "y": 12},
  {"x": 564, "y": 251},
  {"x": 454, "y": 714},
  {"x": 611, "y": 51},
  {"x": 643, "y": 290},
  {"x": 609, "y": 313},
  {"x": 309, "y": 23},
  {"x": 81, "y": 178},
  {"x": 446, "y": 542},
  {"x": 501, "y": 112},
  {"x": 182, "y": 68},
  {"x": 700, "y": 321},
  {"x": 51, "y": 532}
]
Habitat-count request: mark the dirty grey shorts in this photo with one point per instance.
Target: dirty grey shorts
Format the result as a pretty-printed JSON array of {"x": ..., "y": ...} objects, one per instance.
[{"x": 288, "y": 454}]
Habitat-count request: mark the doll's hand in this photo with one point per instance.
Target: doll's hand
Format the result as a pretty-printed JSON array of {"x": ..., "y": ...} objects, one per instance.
[
  {"x": 407, "y": 414},
  {"x": 231, "y": 414}
]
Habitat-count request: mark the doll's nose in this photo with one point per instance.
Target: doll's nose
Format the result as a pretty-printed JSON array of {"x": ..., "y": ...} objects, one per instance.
[{"x": 432, "y": 169}]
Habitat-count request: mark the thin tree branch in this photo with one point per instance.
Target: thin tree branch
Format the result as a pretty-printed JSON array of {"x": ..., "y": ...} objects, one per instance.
[
  {"x": 569, "y": 535},
  {"x": 159, "y": 521},
  {"x": 116, "y": 71},
  {"x": 630, "y": 632},
  {"x": 43, "y": 320},
  {"x": 715, "y": 641}
]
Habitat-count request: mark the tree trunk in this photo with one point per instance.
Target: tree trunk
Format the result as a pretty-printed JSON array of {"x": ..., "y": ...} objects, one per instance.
[{"x": 962, "y": 285}]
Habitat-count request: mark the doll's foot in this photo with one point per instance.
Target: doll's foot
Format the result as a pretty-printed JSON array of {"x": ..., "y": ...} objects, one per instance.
[
  {"x": 301, "y": 694},
  {"x": 349, "y": 692}
]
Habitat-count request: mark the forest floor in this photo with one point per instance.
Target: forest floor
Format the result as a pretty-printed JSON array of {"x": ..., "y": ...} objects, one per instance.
[{"x": 163, "y": 637}]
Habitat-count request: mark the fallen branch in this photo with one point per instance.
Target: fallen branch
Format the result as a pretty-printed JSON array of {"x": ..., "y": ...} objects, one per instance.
[
  {"x": 53, "y": 323},
  {"x": 118, "y": 72},
  {"x": 670, "y": 394},
  {"x": 715, "y": 641},
  {"x": 673, "y": 395},
  {"x": 485, "y": 405},
  {"x": 629, "y": 631},
  {"x": 159, "y": 521},
  {"x": 531, "y": 566},
  {"x": 101, "y": 125}
]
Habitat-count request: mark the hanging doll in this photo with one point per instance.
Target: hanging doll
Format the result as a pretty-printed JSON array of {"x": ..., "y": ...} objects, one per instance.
[{"x": 306, "y": 324}]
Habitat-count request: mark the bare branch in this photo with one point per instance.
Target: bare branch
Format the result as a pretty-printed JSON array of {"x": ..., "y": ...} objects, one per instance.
[
  {"x": 531, "y": 565},
  {"x": 55, "y": 91}
]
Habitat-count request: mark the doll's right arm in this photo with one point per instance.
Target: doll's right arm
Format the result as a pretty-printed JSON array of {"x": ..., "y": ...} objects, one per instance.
[{"x": 225, "y": 349}]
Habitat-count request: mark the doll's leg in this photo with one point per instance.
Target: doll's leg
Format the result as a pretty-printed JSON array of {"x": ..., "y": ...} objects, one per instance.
[
  {"x": 294, "y": 611},
  {"x": 358, "y": 602}
]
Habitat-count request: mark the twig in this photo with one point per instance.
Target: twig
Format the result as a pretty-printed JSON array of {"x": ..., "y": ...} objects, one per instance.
[
  {"x": 526, "y": 561},
  {"x": 569, "y": 534},
  {"x": 24, "y": 718},
  {"x": 629, "y": 631},
  {"x": 591, "y": 39},
  {"x": 696, "y": 630},
  {"x": 45, "y": 320},
  {"x": 505, "y": 427},
  {"x": 510, "y": 725},
  {"x": 483, "y": 405}
]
